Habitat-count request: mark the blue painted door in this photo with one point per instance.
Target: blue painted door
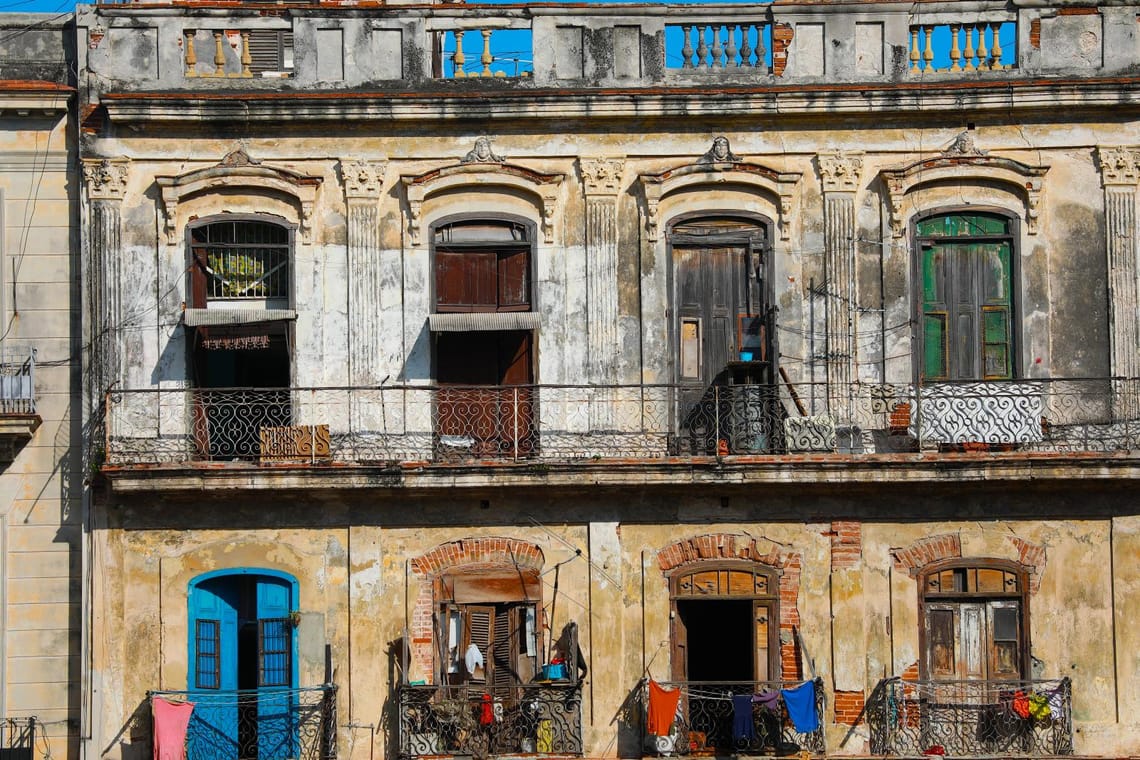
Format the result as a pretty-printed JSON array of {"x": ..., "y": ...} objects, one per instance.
[
  {"x": 241, "y": 668},
  {"x": 214, "y": 605}
]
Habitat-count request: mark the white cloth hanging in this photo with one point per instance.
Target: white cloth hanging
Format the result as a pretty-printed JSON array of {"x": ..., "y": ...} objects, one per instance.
[{"x": 473, "y": 658}]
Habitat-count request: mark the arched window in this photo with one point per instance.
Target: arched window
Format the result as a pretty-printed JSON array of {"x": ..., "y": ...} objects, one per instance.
[
  {"x": 967, "y": 275},
  {"x": 240, "y": 260},
  {"x": 482, "y": 265},
  {"x": 725, "y": 621},
  {"x": 974, "y": 621}
]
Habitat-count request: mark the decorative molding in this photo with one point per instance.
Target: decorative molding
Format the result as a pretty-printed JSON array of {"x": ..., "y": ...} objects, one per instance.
[
  {"x": 1119, "y": 165},
  {"x": 470, "y": 553},
  {"x": 964, "y": 145},
  {"x": 601, "y": 176},
  {"x": 1025, "y": 179},
  {"x": 780, "y": 185},
  {"x": 106, "y": 178},
  {"x": 363, "y": 179},
  {"x": 482, "y": 153},
  {"x": 542, "y": 187},
  {"x": 719, "y": 153},
  {"x": 238, "y": 171},
  {"x": 840, "y": 171}
]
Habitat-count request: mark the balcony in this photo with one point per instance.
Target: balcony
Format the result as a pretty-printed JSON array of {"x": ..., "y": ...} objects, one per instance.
[
  {"x": 18, "y": 416},
  {"x": 705, "y": 727},
  {"x": 269, "y": 724},
  {"x": 569, "y": 423},
  {"x": 971, "y": 718},
  {"x": 543, "y": 718}
]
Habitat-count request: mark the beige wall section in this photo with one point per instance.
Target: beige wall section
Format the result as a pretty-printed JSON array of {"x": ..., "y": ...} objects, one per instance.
[{"x": 39, "y": 491}]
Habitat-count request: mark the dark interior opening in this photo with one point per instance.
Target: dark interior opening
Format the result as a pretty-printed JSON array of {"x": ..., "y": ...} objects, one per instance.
[
  {"x": 488, "y": 357},
  {"x": 719, "y": 635}
]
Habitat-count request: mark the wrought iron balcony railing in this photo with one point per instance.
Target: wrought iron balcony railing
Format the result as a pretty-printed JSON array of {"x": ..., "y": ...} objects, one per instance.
[
  {"x": 17, "y": 381},
  {"x": 971, "y": 718},
  {"x": 705, "y": 723},
  {"x": 564, "y": 422},
  {"x": 269, "y": 724},
  {"x": 472, "y": 720}
]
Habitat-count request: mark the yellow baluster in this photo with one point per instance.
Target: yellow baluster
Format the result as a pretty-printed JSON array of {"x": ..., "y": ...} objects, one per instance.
[
  {"x": 955, "y": 54},
  {"x": 969, "y": 53},
  {"x": 914, "y": 48},
  {"x": 219, "y": 55},
  {"x": 995, "y": 48},
  {"x": 191, "y": 56},
  {"x": 983, "y": 54},
  {"x": 460, "y": 59},
  {"x": 928, "y": 51},
  {"x": 246, "y": 59},
  {"x": 486, "y": 57}
]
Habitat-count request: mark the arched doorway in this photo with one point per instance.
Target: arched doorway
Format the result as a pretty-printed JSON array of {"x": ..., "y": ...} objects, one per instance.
[{"x": 243, "y": 665}]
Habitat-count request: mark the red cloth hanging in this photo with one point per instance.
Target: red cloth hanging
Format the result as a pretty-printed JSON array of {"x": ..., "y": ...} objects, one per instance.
[
  {"x": 662, "y": 708},
  {"x": 486, "y": 711}
]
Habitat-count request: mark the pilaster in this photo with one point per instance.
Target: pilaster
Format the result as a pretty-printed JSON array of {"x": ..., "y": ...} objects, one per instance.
[
  {"x": 840, "y": 173},
  {"x": 1120, "y": 171},
  {"x": 602, "y": 180},
  {"x": 105, "y": 180},
  {"x": 363, "y": 182}
]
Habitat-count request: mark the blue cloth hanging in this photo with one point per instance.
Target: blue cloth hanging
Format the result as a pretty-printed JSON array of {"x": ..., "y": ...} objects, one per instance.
[
  {"x": 742, "y": 726},
  {"x": 800, "y": 702}
]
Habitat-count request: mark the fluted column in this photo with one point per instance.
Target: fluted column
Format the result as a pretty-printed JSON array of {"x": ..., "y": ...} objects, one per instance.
[
  {"x": 602, "y": 180},
  {"x": 363, "y": 182},
  {"x": 840, "y": 174},
  {"x": 105, "y": 181},
  {"x": 1120, "y": 170}
]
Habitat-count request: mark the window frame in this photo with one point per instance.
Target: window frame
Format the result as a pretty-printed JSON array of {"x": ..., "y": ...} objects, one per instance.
[
  {"x": 530, "y": 245},
  {"x": 772, "y": 599},
  {"x": 766, "y": 294},
  {"x": 194, "y": 281},
  {"x": 1014, "y": 236},
  {"x": 1021, "y": 596}
]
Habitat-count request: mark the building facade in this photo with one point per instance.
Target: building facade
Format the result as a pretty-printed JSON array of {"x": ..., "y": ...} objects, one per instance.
[
  {"x": 462, "y": 376},
  {"x": 41, "y": 471}
]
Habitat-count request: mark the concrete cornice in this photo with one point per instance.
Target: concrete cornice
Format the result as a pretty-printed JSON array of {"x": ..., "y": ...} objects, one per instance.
[
  {"x": 791, "y": 471},
  {"x": 546, "y": 104}
]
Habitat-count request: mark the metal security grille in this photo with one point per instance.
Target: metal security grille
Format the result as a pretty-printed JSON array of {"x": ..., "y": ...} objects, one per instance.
[
  {"x": 207, "y": 645},
  {"x": 243, "y": 259},
  {"x": 273, "y": 655}
]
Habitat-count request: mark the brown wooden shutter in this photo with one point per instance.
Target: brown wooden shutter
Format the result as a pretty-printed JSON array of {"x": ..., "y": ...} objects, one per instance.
[
  {"x": 267, "y": 49},
  {"x": 480, "y": 631}
]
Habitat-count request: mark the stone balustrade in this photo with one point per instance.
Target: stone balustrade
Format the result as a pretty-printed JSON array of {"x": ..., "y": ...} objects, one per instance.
[{"x": 582, "y": 47}]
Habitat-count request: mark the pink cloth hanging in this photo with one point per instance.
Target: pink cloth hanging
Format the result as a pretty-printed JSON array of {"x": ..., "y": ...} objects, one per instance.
[{"x": 170, "y": 722}]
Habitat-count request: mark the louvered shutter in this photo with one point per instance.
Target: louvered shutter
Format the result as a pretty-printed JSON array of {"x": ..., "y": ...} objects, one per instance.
[
  {"x": 502, "y": 669},
  {"x": 270, "y": 50},
  {"x": 480, "y": 631}
]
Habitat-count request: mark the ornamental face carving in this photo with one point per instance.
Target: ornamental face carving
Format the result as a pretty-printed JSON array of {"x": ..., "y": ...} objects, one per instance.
[
  {"x": 363, "y": 179},
  {"x": 482, "y": 153},
  {"x": 1119, "y": 165},
  {"x": 719, "y": 153},
  {"x": 106, "y": 178},
  {"x": 964, "y": 145},
  {"x": 602, "y": 176},
  {"x": 840, "y": 171}
]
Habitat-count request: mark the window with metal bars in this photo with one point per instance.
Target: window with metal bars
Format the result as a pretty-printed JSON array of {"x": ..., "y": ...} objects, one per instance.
[
  {"x": 207, "y": 648},
  {"x": 273, "y": 655},
  {"x": 239, "y": 260}
]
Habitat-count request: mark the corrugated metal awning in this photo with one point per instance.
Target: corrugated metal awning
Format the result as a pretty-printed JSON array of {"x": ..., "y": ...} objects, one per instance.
[
  {"x": 470, "y": 321},
  {"x": 219, "y": 317}
]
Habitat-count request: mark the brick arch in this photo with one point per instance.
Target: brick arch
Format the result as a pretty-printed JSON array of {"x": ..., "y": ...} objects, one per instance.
[
  {"x": 727, "y": 546},
  {"x": 464, "y": 554},
  {"x": 911, "y": 559},
  {"x": 479, "y": 553}
]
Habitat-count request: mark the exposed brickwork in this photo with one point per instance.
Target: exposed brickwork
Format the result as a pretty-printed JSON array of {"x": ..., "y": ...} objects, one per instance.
[
  {"x": 846, "y": 544},
  {"x": 720, "y": 546},
  {"x": 848, "y": 707},
  {"x": 1035, "y": 34},
  {"x": 782, "y": 36},
  {"x": 930, "y": 549},
  {"x": 470, "y": 554},
  {"x": 1033, "y": 557},
  {"x": 911, "y": 673}
]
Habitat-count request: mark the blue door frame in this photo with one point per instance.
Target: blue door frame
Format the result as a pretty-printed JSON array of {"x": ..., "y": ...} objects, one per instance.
[{"x": 242, "y": 665}]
